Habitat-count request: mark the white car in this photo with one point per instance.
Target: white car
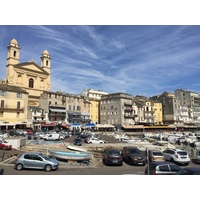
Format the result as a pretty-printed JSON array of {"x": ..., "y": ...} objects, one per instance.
[
  {"x": 176, "y": 155},
  {"x": 54, "y": 136},
  {"x": 95, "y": 141}
]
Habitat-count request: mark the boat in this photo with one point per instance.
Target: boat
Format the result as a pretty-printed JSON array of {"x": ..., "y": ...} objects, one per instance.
[
  {"x": 70, "y": 155},
  {"x": 76, "y": 148}
]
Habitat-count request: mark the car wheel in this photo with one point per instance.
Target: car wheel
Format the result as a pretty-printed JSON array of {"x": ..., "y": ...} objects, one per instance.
[
  {"x": 171, "y": 160},
  {"x": 3, "y": 148},
  {"x": 19, "y": 167},
  {"x": 129, "y": 161},
  {"x": 48, "y": 168}
]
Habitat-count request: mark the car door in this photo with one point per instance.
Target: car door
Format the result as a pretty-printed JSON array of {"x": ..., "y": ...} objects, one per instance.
[
  {"x": 27, "y": 161},
  {"x": 37, "y": 162},
  {"x": 163, "y": 170}
]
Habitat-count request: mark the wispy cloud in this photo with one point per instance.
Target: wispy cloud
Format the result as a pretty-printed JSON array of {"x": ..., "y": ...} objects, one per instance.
[{"x": 143, "y": 60}]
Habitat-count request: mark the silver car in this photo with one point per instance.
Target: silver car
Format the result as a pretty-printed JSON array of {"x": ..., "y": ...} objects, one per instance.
[{"x": 35, "y": 160}]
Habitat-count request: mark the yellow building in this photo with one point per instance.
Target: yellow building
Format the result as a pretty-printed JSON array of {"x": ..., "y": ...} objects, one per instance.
[
  {"x": 28, "y": 75},
  {"x": 94, "y": 111},
  {"x": 158, "y": 113},
  {"x": 13, "y": 107}
]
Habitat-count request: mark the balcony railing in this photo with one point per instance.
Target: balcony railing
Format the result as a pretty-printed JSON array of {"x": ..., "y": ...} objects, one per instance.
[
  {"x": 12, "y": 109},
  {"x": 57, "y": 114},
  {"x": 128, "y": 116}
]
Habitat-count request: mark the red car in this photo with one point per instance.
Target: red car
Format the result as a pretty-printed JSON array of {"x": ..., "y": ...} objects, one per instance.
[
  {"x": 29, "y": 132},
  {"x": 4, "y": 145}
]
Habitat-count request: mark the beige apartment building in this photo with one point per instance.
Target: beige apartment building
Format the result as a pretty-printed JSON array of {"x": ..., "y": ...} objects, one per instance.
[
  {"x": 116, "y": 109},
  {"x": 94, "y": 97},
  {"x": 13, "y": 107},
  {"x": 29, "y": 76},
  {"x": 64, "y": 108}
]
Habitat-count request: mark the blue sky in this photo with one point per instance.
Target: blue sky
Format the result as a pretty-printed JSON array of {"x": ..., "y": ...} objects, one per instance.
[{"x": 134, "y": 59}]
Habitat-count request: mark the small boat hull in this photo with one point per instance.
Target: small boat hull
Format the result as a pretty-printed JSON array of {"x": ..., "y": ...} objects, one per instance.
[
  {"x": 70, "y": 155},
  {"x": 76, "y": 148}
]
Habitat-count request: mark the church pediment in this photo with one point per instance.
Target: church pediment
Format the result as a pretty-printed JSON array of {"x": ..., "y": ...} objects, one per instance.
[{"x": 30, "y": 67}]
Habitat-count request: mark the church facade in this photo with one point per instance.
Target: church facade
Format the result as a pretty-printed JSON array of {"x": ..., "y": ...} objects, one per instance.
[{"x": 29, "y": 76}]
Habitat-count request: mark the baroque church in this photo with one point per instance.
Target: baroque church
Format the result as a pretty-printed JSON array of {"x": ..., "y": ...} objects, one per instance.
[{"x": 29, "y": 76}]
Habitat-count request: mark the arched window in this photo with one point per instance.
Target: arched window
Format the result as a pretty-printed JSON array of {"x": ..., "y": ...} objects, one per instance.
[
  {"x": 47, "y": 63},
  {"x": 31, "y": 83},
  {"x": 14, "y": 54}
]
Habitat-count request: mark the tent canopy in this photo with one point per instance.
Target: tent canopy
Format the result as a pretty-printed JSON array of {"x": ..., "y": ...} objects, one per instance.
[{"x": 90, "y": 125}]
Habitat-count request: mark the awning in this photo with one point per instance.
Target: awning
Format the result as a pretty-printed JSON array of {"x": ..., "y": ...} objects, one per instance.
[
  {"x": 65, "y": 126},
  {"x": 134, "y": 127},
  {"x": 48, "y": 125},
  {"x": 90, "y": 125},
  {"x": 105, "y": 126},
  {"x": 57, "y": 110},
  {"x": 75, "y": 125},
  {"x": 154, "y": 127}
]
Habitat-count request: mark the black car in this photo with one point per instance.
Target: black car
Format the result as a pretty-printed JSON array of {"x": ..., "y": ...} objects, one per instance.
[
  {"x": 161, "y": 168},
  {"x": 1, "y": 171},
  {"x": 112, "y": 157},
  {"x": 78, "y": 141},
  {"x": 189, "y": 171},
  {"x": 13, "y": 133},
  {"x": 132, "y": 155}
]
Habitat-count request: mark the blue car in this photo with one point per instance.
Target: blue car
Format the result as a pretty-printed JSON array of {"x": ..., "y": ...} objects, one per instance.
[
  {"x": 78, "y": 141},
  {"x": 35, "y": 160}
]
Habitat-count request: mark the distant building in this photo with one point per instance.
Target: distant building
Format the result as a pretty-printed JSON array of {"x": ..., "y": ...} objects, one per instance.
[
  {"x": 13, "y": 107},
  {"x": 116, "y": 109},
  {"x": 171, "y": 108},
  {"x": 191, "y": 101},
  {"x": 94, "y": 96}
]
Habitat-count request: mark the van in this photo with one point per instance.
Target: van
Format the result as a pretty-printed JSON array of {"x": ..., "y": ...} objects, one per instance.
[{"x": 53, "y": 136}]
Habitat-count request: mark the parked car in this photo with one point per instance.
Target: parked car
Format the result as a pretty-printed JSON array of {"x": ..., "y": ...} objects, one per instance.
[
  {"x": 189, "y": 171},
  {"x": 78, "y": 141},
  {"x": 177, "y": 156},
  {"x": 198, "y": 156},
  {"x": 112, "y": 157},
  {"x": 30, "y": 132},
  {"x": 54, "y": 136},
  {"x": 95, "y": 141},
  {"x": 35, "y": 160},
  {"x": 1, "y": 171},
  {"x": 3, "y": 134},
  {"x": 155, "y": 155},
  {"x": 132, "y": 155},
  {"x": 161, "y": 168},
  {"x": 32, "y": 137},
  {"x": 4, "y": 145},
  {"x": 13, "y": 133}
]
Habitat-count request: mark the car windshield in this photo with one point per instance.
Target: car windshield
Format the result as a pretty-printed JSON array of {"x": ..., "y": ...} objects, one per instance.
[
  {"x": 157, "y": 153},
  {"x": 113, "y": 153},
  {"x": 134, "y": 151},
  {"x": 174, "y": 167}
]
